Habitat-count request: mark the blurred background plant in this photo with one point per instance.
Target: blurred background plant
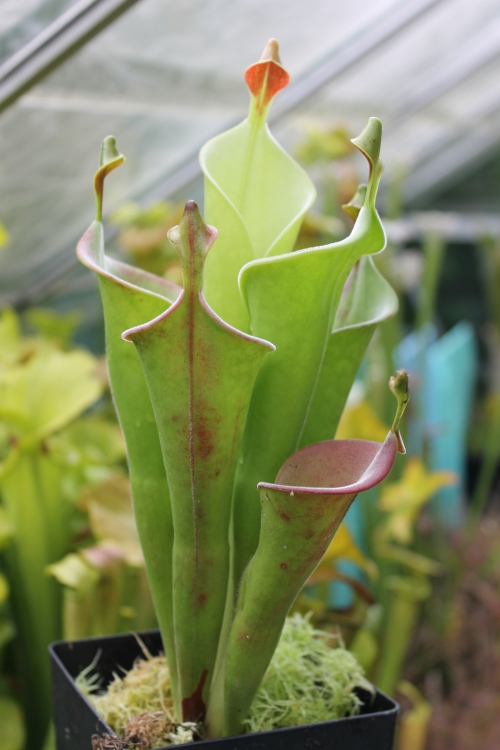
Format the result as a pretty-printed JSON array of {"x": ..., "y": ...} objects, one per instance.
[
  {"x": 4, "y": 236},
  {"x": 143, "y": 237},
  {"x": 393, "y": 580},
  {"x": 71, "y": 564}
]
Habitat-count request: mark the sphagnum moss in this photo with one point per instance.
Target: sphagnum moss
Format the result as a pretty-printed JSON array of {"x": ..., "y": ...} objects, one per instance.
[
  {"x": 307, "y": 681},
  {"x": 138, "y": 706},
  {"x": 311, "y": 678}
]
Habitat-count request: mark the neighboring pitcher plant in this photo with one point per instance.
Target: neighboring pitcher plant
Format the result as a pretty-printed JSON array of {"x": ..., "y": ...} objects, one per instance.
[{"x": 213, "y": 406}]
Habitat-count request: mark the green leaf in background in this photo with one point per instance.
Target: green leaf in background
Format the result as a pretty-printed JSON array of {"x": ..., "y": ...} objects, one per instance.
[
  {"x": 143, "y": 236},
  {"x": 416, "y": 562},
  {"x": 94, "y": 440},
  {"x": 42, "y": 389},
  {"x": 10, "y": 331},
  {"x": 38, "y": 510},
  {"x": 255, "y": 193},
  {"x": 72, "y": 571},
  {"x": 210, "y": 369},
  {"x": 111, "y": 516},
  {"x": 4, "y": 589},
  {"x": 402, "y": 501},
  {"x": 79, "y": 580},
  {"x": 324, "y": 145},
  {"x": 104, "y": 591},
  {"x": 43, "y": 395},
  {"x": 131, "y": 296},
  {"x": 359, "y": 419},
  {"x": 342, "y": 547},
  {"x": 13, "y": 346},
  {"x": 119, "y": 554},
  {"x": 293, "y": 301},
  {"x": 122, "y": 600},
  {"x": 4, "y": 236},
  {"x": 7, "y": 632},
  {"x": 6, "y": 527},
  {"x": 12, "y": 735},
  {"x": 53, "y": 326}
]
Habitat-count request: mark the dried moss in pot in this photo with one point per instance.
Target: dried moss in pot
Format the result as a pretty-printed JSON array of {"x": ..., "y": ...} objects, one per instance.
[
  {"x": 311, "y": 678},
  {"x": 138, "y": 706}
]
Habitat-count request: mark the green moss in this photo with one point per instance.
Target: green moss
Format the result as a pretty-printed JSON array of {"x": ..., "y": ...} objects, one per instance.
[
  {"x": 138, "y": 706},
  {"x": 311, "y": 678},
  {"x": 146, "y": 688}
]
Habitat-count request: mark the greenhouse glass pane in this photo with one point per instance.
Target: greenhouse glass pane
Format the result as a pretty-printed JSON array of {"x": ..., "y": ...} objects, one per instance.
[
  {"x": 433, "y": 83},
  {"x": 167, "y": 76},
  {"x": 22, "y": 20},
  {"x": 163, "y": 79}
]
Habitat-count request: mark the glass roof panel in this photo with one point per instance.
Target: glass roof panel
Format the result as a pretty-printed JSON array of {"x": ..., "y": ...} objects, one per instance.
[
  {"x": 167, "y": 76},
  {"x": 434, "y": 82},
  {"x": 22, "y": 20},
  {"x": 164, "y": 78}
]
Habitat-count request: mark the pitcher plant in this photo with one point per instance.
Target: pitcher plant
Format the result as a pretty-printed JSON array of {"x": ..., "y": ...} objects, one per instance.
[{"x": 229, "y": 390}]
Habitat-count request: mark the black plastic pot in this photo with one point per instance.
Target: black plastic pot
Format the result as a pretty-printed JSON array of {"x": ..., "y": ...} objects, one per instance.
[{"x": 76, "y": 721}]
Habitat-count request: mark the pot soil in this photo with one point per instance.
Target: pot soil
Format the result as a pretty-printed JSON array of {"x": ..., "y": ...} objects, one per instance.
[{"x": 76, "y": 721}]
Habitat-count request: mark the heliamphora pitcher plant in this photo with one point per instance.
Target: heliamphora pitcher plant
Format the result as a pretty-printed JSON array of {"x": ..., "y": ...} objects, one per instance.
[{"x": 229, "y": 390}]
